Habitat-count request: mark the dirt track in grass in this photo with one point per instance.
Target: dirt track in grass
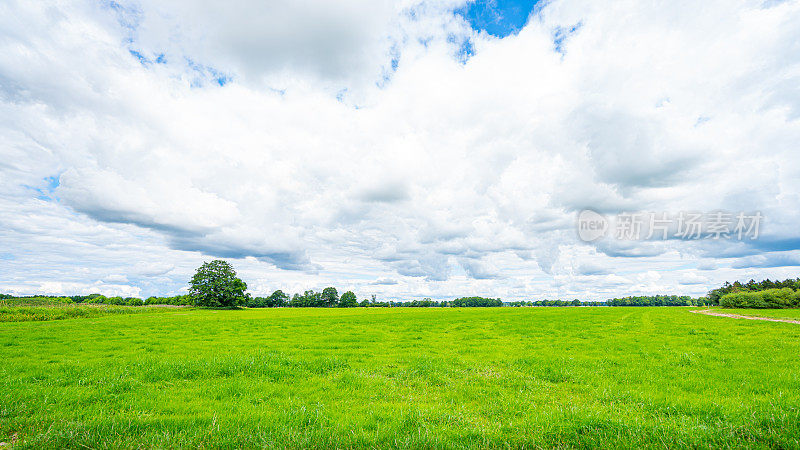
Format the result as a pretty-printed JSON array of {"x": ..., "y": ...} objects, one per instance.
[{"x": 709, "y": 312}]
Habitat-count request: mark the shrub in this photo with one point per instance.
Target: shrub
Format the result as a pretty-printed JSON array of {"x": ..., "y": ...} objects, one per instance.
[
  {"x": 178, "y": 300},
  {"x": 769, "y": 298}
]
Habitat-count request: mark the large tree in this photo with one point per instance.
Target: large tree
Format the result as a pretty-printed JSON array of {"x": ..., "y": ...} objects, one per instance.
[
  {"x": 330, "y": 297},
  {"x": 348, "y": 300},
  {"x": 215, "y": 285}
]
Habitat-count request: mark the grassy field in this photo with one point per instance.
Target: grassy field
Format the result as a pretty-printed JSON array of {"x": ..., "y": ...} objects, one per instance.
[
  {"x": 28, "y": 313},
  {"x": 435, "y": 378},
  {"x": 793, "y": 314}
]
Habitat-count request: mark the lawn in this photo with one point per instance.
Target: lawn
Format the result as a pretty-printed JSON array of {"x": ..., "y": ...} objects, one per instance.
[{"x": 401, "y": 377}]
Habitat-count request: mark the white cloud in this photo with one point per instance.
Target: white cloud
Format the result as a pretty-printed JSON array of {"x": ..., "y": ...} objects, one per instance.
[{"x": 317, "y": 163}]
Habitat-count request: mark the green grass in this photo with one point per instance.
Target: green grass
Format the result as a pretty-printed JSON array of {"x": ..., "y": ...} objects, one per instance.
[
  {"x": 67, "y": 311},
  {"x": 793, "y": 314},
  {"x": 430, "y": 378},
  {"x": 36, "y": 301}
]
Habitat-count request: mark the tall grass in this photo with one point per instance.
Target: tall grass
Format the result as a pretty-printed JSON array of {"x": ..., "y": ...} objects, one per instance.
[
  {"x": 35, "y": 301},
  {"x": 66, "y": 311}
]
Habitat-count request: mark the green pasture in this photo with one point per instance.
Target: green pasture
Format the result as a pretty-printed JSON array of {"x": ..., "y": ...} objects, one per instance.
[{"x": 400, "y": 377}]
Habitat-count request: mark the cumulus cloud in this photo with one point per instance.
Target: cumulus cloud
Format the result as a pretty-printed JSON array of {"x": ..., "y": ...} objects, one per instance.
[
  {"x": 692, "y": 278},
  {"x": 593, "y": 269},
  {"x": 319, "y": 143},
  {"x": 384, "y": 281},
  {"x": 768, "y": 260},
  {"x": 272, "y": 40}
]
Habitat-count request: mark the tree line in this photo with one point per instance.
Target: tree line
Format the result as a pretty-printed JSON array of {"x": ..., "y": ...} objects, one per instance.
[
  {"x": 752, "y": 286},
  {"x": 643, "y": 300},
  {"x": 767, "y": 298},
  {"x": 758, "y": 294},
  {"x": 329, "y": 298}
]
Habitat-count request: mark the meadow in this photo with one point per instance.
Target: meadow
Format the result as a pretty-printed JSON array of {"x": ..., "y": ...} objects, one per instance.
[
  {"x": 401, "y": 377},
  {"x": 791, "y": 314},
  {"x": 26, "y": 313}
]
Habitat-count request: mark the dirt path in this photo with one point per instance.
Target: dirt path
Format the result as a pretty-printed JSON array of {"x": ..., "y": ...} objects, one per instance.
[{"x": 709, "y": 312}]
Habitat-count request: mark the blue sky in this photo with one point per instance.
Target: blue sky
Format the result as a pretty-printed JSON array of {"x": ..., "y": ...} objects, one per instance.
[
  {"x": 401, "y": 149},
  {"x": 498, "y": 18}
]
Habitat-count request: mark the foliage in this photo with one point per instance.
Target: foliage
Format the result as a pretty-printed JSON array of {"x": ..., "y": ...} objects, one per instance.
[
  {"x": 215, "y": 285},
  {"x": 66, "y": 311},
  {"x": 330, "y": 297},
  {"x": 36, "y": 300},
  {"x": 91, "y": 298},
  {"x": 657, "y": 300},
  {"x": 119, "y": 301},
  {"x": 651, "y": 300},
  {"x": 309, "y": 299},
  {"x": 476, "y": 302},
  {"x": 769, "y": 298},
  {"x": 276, "y": 300},
  {"x": 178, "y": 300},
  {"x": 348, "y": 300},
  {"x": 279, "y": 299},
  {"x": 751, "y": 286}
]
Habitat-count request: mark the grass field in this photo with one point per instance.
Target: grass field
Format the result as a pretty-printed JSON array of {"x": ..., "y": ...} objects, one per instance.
[
  {"x": 25, "y": 313},
  {"x": 793, "y": 314},
  {"x": 427, "y": 377}
]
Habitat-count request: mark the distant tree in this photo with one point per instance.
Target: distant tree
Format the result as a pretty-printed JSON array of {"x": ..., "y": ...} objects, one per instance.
[
  {"x": 278, "y": 299},
  {"x": 313, "y": 299},
  {"x": 476, "y": 302},
  {"x": 330, "y": 297},
  {"x": 364, "y": 303},
  {"x": 297, "y": 301},
  {"x": 215, "y": 285},
  {"x": 348, "y": 300}
]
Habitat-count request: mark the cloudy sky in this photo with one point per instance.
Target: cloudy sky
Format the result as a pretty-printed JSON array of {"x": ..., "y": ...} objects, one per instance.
[{"x": 405, "y": 149}]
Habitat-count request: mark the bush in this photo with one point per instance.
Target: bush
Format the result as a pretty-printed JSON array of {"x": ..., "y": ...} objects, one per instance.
[
  {"x": 178, "y": 300},
  {"x": 770, "y": 298}
]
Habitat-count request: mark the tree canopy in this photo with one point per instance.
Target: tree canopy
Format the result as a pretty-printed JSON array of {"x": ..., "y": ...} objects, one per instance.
[
  {"x": 215, "y": 285},
  {"x": 348, "y": 300}
]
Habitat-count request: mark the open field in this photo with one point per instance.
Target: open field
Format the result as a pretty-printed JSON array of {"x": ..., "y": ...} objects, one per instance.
[
  {"x": 793, "y": 314},
  {"x": 428, "y": 377}
]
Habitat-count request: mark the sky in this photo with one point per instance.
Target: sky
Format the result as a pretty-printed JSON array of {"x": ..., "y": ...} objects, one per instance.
[{"x": 403, "y": 149}]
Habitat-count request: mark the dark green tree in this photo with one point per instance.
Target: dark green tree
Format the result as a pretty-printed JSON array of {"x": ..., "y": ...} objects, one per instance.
[
  {"x": 330, "y": 297},
  {"x": 348, "y": 300},
  {"x": 278, "y": 299},
  {"x": 297, "y": 301},
  {"x": 215, "y": 285}
]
